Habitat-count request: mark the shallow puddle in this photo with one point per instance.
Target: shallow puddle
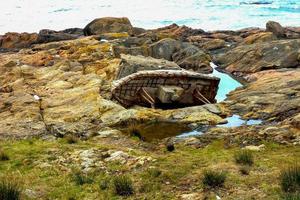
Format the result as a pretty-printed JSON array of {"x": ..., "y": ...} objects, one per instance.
[
  {"x": 233, "y": 121},
  {"x": 157, "y": 130},
  {"x": 236, "y": 121}
]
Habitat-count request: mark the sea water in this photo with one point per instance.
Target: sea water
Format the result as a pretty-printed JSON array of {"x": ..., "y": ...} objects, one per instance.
[
  {"x": 226, "y": 85},
  {"x": 33, "y": 15}
]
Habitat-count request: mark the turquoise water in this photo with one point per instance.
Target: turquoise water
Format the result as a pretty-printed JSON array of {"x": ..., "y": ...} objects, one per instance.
[
  {"x": 227, "y": 84},
  {"x": 33, "y": 15},
  {"x": 236, "y": 121},
  {"x": 233, "y": 121}
]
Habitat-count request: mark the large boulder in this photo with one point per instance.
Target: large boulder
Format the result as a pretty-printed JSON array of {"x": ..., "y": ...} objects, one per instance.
[
  {"x": 17, "y": 40},
  {"x": 192, "y": 58},
  {"x": 108, "y": 25},
  {"x": 260, "y": 37},
  {"x": 47, "y": 35},
  {"x": 133, "y": 46},
  {"x": 261, "y": 56},
  {"x": 292, "y": 32},
  {"x": 273, "y": 96},
  {"x": 165, "y": 48},
  {"x": 132, "y": 64},
  {"x": 275, "y": 28},
  {"x": 206, "y": 43}
]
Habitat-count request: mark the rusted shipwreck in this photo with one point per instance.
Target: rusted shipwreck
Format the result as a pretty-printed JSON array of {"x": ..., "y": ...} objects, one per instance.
[{"x": 176, "y": 88}]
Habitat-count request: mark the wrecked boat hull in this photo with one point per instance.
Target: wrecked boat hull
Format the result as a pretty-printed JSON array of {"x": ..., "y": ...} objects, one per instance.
[{"x": 157, "y": 88}]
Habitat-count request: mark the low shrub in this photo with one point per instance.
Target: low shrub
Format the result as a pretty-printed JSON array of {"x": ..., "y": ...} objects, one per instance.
[
  {"x": 244, "y": 157},
  {"x": 245, "y": 170},
  {"x": 214, "y": 179},
  {"x": 71, "y": 139},
  {"x": 3, "y": 156},
  {"x": 123, "y": 185},
  {"x": 154, "y": 172},
  {"x": 290, "y": 179},
  {"x": 104, "y": 184},
  {"x": 81, "y": 178},
  {"x": 9, "y": 191},
  {"x": 292, "y": 196},
  {"x": 170, "y": 147}
]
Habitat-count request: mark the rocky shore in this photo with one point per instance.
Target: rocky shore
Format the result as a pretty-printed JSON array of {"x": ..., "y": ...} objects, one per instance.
[{"x": 57, "y": 83}]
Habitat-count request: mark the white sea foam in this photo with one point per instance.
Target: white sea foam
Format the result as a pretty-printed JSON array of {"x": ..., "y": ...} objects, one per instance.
[{"x": 33, "y": 15}]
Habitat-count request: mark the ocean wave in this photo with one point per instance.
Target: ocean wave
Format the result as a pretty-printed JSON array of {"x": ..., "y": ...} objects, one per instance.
[
  {"x": 256, "y": 3},
  {"x": 206, "y": 14}
]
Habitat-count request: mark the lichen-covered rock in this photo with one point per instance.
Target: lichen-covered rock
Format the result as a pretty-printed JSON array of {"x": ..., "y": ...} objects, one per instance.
[
  {"x": 17, "y": 40},
  {"x": 72, "y": 80},
  {"x": 261, "y": 56},
  {"x": 46, "y": 35},
  {"x": 165, "y": 48},
  {"x": 273, "y": 96},
  {"x": 259, "y": 37},
  {"x": 108, "y": 25},
  {"x": 207, "y": 43},
  {"x": 192, "y": 58}
]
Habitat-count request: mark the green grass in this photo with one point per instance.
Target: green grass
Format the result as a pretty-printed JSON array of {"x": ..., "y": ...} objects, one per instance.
[
  {"x": 104, "y": 184},
  {"x": 123, "y": 185},
  {"x": 9, "y": 190},
  {"x": 291, "y": 196},
  {"x": 244, "y": 157},
  {"x": 154, "y": 180},
  {"x": 154, "y": 172},
  {"x": 290, "y": 179},
  {"x": 245, "y": 170},
  {"x": 81, "y": 178},
  {"x": 214, "y": 179}
]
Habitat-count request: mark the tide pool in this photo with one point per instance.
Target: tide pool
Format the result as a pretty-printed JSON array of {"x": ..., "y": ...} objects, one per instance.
[{"x": 226, "y": 85}]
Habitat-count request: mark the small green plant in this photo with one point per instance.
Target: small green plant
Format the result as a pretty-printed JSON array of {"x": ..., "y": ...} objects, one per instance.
[
  {"x": 292, "y": 196},
  {"x": 71, "y": 139},
  {"x": 290, "y": 179},
  {"x": 154, "y": 172},
  {"x": 9, "y": 191},
  {"x": 245, "y": 170},
  {"x": 123, "y": 185},
  {"x": 149, "y": 186},
  {"x": 213, "y": 179},
  {"x": 244, "y": 157},
  {"x": 81, "y": 178},
  {"x": 3, "y": 156},
  {"x": 104, "y": 184}
]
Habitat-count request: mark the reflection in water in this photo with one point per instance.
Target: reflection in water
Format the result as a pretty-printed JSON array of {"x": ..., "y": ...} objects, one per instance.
[
  {"x": 236, "y": 121},
  {"x": 159, "y": 130},
  {"x": 233, "y": 121},
  {"x": 191, "y": 133}
]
